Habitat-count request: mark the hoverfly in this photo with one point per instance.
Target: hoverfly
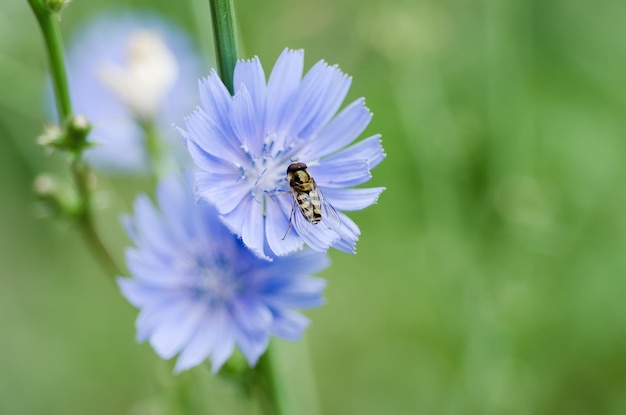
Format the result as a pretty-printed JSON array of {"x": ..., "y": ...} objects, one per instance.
[{"x": 310, "y": 201}]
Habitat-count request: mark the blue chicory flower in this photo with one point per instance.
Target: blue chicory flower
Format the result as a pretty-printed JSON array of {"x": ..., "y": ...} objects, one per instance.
[
  {"x": 201, "y": 291},
  {"x": 244, "y": 143},
  {"x": 127, "y": 69}
]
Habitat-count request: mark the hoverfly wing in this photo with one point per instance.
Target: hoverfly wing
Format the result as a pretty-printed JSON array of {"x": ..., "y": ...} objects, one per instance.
[{"x": 330, "y": 217}]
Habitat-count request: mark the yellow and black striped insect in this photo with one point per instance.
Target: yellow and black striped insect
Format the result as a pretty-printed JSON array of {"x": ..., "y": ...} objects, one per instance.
[{"x": 310, "y": 201}]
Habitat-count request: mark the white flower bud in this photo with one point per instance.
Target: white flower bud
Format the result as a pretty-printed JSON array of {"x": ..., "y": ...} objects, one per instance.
[
  {"x": 45, "y": 185},
  {"x": 51, "y": 134},
  {"x": 146, "y": 77}
]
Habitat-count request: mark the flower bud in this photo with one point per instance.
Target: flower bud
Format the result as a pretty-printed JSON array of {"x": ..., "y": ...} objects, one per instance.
[
  {"x": 58, "y": 198},
  {"x": 52, "y": 137},
  {"x": 146, "y": 77},
  {"x": 77, "y": 130},
  {"x": 56, "y": 6}
]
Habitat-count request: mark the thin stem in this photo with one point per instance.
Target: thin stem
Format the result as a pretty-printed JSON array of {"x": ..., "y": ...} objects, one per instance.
[
  {"x": 159, "y": 163},
  {"x": 224, "y": 34},
  {"x": 54, "y": 45},
  {"x": 84, "y": 217},
  {"x": 48, "y": 22},
  {"x": 271, "y": 383}
]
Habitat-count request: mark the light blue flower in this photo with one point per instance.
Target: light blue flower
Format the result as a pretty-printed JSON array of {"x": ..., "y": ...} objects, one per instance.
[
  {"x": 201, "y": 291},
  {"x": 126, "y": 69},
  {"x": 244, "y": 143}
]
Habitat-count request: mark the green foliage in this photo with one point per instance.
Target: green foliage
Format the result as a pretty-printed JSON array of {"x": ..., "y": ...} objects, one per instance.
[{"x": 490, "y": 276}]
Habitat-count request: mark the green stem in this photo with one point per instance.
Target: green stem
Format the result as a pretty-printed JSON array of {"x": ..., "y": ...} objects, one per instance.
[
  {"x": 161, "y": 165},
  {"x": 84, "y": 217},
  {"x": 271, "y": 383},
  {"x": 48, "y": 21},
  {"x": 224, "y": 34}
]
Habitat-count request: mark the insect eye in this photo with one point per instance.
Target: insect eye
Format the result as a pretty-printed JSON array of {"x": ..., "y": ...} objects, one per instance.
[{"x": 294, "y": 167}]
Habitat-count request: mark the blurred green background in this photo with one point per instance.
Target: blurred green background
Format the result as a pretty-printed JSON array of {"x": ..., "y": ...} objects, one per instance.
[{"x": 490, "y": 277}]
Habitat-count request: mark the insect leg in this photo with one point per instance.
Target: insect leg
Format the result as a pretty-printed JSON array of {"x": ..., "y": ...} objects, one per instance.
[{"x": 293, "y": 210}]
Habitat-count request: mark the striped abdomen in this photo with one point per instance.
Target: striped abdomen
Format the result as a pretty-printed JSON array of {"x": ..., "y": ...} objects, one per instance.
[{"x": 310, "y": 205}]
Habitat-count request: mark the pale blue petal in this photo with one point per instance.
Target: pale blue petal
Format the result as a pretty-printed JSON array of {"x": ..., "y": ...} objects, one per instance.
[
  {"x": 283, "y": 83},
  {"x": 340, "y": 131},
  {"x": 306, "y": 261},
  {"x": 327, "y": 105},
  {"x": 148, "y": 222},
  {"x": 346, "y": 245},
  {"x": 215, "y": 99},
  {"x": 320, "y": 238},
  {"x": 299, "y": 292},
  {"x": 133, "y": 291},
  {"x": 224, "y": 341},
  {"x": 131, "y": 228},
  {"x": 245, "y": 123},
  {"x": 250, "y": 73},
  {"x": 146, "y": 322},
  {"x": 223, "y": 350},
  {"x": 195, "y": 352},
  {"x": 277, "y": 223},
  {"x": 289, "y": 325},
  {"x": 224, "y": 191},
  {"x": 142, "y": 294},
  {"x": 369, "y": 149},
  {"x": 202, "y": 159},
  {"x": 211, "y": 229},
  {"x": 210, "y": 163},
  {"x": 252, "y": 346},
  {"x": 235, "y": 219},
  {"x": 253, "y": 231},
  {"x": 177, "y": 328},
  {"x": 250, "y": 315},
  {"x": 349, "y": 233},
  {"x": 118, "y": 145},
  {"x": 158, "y": 298},
  {"x": 306, "y": 102},
  {"x": 173, "y": 199},
  {"x": 252, "y": 329},
  {"x": 352, "y": 199},
  {"x": 215, "y": 340},
  {"x": 151, "y": 269},
  {"x": 203, "y": 341},
  {"x": 334, "y": 173},
  {"x": 155, "y": 311},
  {"x": 214, "y": 138}
]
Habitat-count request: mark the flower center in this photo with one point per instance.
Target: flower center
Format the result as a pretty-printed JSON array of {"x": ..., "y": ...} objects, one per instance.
[
  {"x": 145, "y": 78},
  {"x": 269, "y": 177},
  {"x": 212, "y": 280}
]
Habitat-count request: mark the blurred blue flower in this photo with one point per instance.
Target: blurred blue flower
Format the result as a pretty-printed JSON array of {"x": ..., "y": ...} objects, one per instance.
[
  {"x": 244, "y": 143},
  {"x": 201, "y": 291},
  {"x": 126, "y": 70}
]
